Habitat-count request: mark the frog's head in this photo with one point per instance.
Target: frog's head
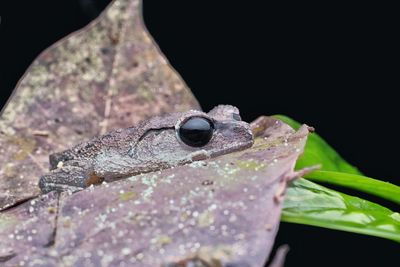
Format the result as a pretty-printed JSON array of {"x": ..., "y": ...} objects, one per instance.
[
  {"x": 189, "y": 136},
  {"x": 217, "y": 132}
]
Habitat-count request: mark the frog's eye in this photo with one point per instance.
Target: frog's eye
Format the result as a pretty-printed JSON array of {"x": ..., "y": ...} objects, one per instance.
[{"x": 196, "y": 131}]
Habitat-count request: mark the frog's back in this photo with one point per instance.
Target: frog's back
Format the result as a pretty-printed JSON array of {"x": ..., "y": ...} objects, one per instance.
[{"x": 121, "y": 139}]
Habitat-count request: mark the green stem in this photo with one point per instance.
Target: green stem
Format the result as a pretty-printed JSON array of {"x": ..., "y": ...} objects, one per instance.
[{"x": 358, "y": 182}]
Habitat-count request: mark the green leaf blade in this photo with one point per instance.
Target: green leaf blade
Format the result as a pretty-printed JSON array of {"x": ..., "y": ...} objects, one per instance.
[
  {"x": 335, "y": 170},
  {"x": 358, "y": 182},
  {"x": 318, "y": 151},
  {"x": 312, "y": 204}
]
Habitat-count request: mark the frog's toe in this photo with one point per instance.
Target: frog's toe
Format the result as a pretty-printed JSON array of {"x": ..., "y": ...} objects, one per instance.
[{"x": 47, "y": 184}]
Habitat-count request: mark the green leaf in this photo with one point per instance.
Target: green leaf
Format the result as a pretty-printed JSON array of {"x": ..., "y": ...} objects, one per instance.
[
  {"x": 317, "y": 151},
  {"x": 362, "y": 183},
  {"x": 335, "y": 170},
  {"x": 312, "y": 204}
]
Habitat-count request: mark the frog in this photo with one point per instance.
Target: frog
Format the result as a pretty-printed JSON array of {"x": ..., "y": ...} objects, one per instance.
[{"x": 158, "y": 143}]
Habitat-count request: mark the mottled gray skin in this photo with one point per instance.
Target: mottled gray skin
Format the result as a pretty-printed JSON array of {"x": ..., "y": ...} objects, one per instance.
[{"x": 149, "y": 146}]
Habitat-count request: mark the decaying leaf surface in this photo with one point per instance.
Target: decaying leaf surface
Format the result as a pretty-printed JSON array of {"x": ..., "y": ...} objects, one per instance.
[
  {"x": 30, "y": 225},
  {"x": 106, "y": 76},
  {"x": 218, "y": 212}
]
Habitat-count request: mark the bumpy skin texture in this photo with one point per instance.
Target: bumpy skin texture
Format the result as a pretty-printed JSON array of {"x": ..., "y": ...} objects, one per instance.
[{"x": 149, "y": 146}]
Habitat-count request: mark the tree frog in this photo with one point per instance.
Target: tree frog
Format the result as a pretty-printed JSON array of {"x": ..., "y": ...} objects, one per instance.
[{"x": 158, "y": 143}]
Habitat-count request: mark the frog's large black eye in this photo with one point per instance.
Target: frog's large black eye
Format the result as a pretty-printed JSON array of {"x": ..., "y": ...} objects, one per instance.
[{"x": 196, "y": 131}]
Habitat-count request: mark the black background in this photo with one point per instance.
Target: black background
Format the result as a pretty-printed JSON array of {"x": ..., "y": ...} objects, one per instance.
[{"x": 331, "y": 66}]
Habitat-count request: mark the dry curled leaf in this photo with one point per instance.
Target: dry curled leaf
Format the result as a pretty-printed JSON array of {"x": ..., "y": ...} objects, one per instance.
[
  {"x": 219, "y": 212},
  {"x": 108, "y": 75}
]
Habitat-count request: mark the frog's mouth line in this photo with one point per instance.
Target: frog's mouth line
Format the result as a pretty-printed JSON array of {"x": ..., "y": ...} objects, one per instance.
[{"x": 234, "y": 148}]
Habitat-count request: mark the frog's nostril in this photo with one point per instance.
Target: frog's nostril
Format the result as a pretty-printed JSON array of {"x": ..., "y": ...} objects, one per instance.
[{"x": 236, "y": 117}]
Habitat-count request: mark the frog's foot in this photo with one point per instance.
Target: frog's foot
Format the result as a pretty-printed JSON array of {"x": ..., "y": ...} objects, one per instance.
[{"x": 75, "y": 176}]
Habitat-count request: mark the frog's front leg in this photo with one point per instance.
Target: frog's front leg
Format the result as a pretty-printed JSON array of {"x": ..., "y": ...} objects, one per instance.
[{"x": 74, "y": 175}]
